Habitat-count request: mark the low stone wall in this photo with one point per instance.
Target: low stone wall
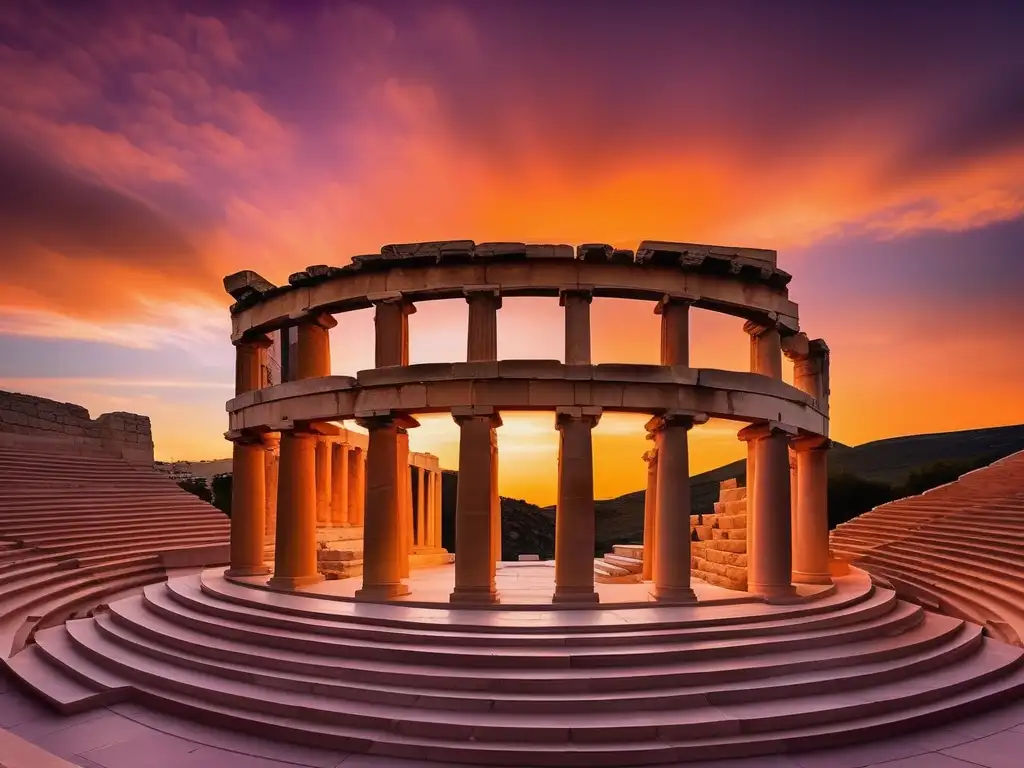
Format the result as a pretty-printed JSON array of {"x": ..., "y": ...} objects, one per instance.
[
  {"x": 718, "y": 550},
  {"x": 35, "y": 422}
]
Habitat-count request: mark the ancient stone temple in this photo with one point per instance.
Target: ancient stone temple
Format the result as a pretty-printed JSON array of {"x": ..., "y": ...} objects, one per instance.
[{"x": 724, "y": 634}]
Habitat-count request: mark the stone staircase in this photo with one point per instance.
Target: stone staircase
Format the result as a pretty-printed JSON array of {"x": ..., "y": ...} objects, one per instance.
[
  {"x": 623, "y": 565},
  {"x": 588, "y": 688},
  {"x": 78, "y": 529},
  {"x": 958, "y": 548}
]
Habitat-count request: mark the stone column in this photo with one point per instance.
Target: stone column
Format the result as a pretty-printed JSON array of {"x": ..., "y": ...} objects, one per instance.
[
  {"x": 675, "y": 330},
  {"x": 272, "y": 443},
  {"x": 810, "y": 539},
  {"x": 429, "y": 501},
  {"x": 769, "y": 557},
  {"x": 404, "y": 501},
  {"x": 495, "y": 506},
  {"x": 810, "y": 367},
  {"x": 391, "y": 324},
  {"x": 295, "y": 550},
  {"x": 339, "y": 485},
  {"x": 577, "y": 324},
  {"x": 474, "y": 560},
  {"x": 248, "y": 507},
  {"x": 672, "y": 526},
  {"x": 765, "y": 349},
  {"x": 323, "y": 482},
  {"x": 437, "y": 509},
  {"x": 382, "y": 531},
  {"x": 791, "y": 456},
  {"x": 482, "y": 337},
  {"x": 421, "y": 507},
  {"x": 248, "y": 500},
  {"x": 313, "y": 353},
  {"x": 356, "y": 482},
  {"x": 574, "y": 513},
  {"x": 650, "y": 513}
]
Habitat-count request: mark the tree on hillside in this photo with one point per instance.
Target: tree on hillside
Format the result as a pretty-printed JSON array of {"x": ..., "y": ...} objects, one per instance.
[
  {"x": 222, "y": 492},
  {"x": 197, "y": 487},
  {"x": 850, "y": 495}
]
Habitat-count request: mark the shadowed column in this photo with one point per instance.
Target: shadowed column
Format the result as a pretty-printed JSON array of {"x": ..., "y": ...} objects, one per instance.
[
  {"x": 382, "y": 529},
  {"x": 577, "y": 324},
  {"x": 248, "y": 467},
  {"x": 810, "y": 535},
  {"x": 339, "y": 484},
  {"x": 437, "y": 508},
  {"x": 421, "y": 507},
  {"x": 272, "y": 442},
  {"x": 474, "y": 559},
  {"x": 672, "y": 544},
  {"x": 765, "y": 349},
  {"x": 495, "y": 506},
  {"x": 769, "y": 557},
  {"x": 675, "y": 330},
  {"x": 356, "y": 483},
  {"x": 482, "y": 331},
  {"x": 574, "y": 514},
  {"x": 650, "y": 513},
  {"x": 323, "y": 482},
  {"x": 404, "y": 501}
]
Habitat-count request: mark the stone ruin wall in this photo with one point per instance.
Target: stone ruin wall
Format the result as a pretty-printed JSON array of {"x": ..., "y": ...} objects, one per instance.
[
  {"x": 37, "y": 423},
  {"x": 718, "y": 550}
]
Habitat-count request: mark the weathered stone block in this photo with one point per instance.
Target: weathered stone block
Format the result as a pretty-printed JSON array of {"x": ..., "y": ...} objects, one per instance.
[
  {"x": 732, "y": 522},
  {"x": 732, "y": 494},
  {"x": 728, "y": 545},
  {"x": 726, "y": 558}
]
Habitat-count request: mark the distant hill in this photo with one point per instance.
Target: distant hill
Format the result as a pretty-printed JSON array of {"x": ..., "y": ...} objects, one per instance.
[{"x": 530, "y": 529}]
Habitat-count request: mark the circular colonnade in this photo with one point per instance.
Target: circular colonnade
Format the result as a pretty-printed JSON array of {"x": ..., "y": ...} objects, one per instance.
[{"x": 786, "y": 427}]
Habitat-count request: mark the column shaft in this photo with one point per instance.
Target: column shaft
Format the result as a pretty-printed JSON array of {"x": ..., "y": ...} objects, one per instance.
[
  {"x": 810, "y": 549},
  {"x": 672, "y": 545},
  {"x": 339, "y": 485},
  {"x": 482, "y": 335},
  {"x": 574, "y": 514},
  {"x": 769, "y": 563},
  {"x": 675, "y": 331},
  {"x": 495, "y": 507},
  {"x": 323, "y": 482},
  {"x": 248, "y": 509},
  {"x": 437, "y": 509},
  {"x": 356, "y": 475},
  {"x": 382, "y": 531},
  {"x": 577, "y": 325},
  {"x": 765, "y": 349},
  {"x": 272, "y": 443},
  {"x": 791, "y": 456},
  {"x": 391, "y": 327},
  {"x": 650, "y": 514},
  {"x": 314, "y": 348},
  {"x": 295, "y": 551},
  {"x": 421, "y": 507},
  {"x": 405, "y": 502},
  {"x": 474, "y": 561}
]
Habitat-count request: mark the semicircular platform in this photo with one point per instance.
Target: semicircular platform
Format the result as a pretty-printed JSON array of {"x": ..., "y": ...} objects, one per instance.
[{"x": 601, "y": 686}]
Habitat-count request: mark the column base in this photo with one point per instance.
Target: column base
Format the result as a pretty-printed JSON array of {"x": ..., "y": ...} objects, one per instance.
[
  {"x": 811, "y": 578},
  {"x": 252, "y": 570},
  {"x": 293, "y": 582},
  {"x": 474, "y": 596},
  {"x": 575, "y": 595},
  {"x": 774, "y": 593},
  {"x": 380, "y": 592},
  {"x": 673, "y": 594}
]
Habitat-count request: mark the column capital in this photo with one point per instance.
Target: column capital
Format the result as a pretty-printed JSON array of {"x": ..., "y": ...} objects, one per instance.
[
  {"x": 676, "y": 299},
  {"x": 321, "y": 319},
  {"x": 592, "y": 414},
  {"x": 577, "y": 292},
  {"x": 463, "y": 412},
  {"x": 271, "y": 440},
  {"x": 392, "y": 297},
  {"x": 675, "y": 418},
  {"x": 761, "y": 326},
  {"x": 245, "y": 437},
  {"x": 765, "y": 429},
  {"x": 811, "y": 443},
  {"x": 378, "y": 419},
  {"x": 796, "y": 346},
  {"x": 479, "y": 292},
  {"x": 650, "y": 457},
  {"x": 256, "y": 341}
]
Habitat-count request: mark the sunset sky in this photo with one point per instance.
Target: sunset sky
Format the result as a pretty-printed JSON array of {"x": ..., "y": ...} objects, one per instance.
[{"x": 148, "y": 149}]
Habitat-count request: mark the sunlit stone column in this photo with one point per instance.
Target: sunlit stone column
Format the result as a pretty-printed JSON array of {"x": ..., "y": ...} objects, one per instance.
[
  {"x": 672, "y": 526},
  {"x": 810, "y": 539},
  {"x": 675, "y": 330},
  {"x": 428, "y": 532},
  {"x": 421, "y": 507},
  {"x": 769, "y": 557},
  {"x": 313, "y": 353},
  {"x": 482, "y": 337},
  {"x": 323, "y": 482},
  {"x": 248, "y": 500},
  {"x": 810, "y": 367},
  {"x": 495, "y": 506},
  {"x": 765, "y": 349},
  {"x": 791, "y": 455},
  {"x": 339, "y": 485},
  {"x": 356, "y": 478},
  {"x": 437, "y": 509},
  {"x": 295, "y": 546},
  {"x": 650, "y": 513},
  {"x": 272, "y": 443},
  {"x": 474, "y": 559},
  {"x": 574, "y": 513},
  {"x": 382, "y": 530},
  {"x": 577, "y": 324},
  {"x": 391, "y": 327},
  {"x": 404, "y": 501}
]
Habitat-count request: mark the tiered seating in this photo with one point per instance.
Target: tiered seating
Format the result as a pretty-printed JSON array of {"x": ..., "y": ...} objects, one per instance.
[
  {"x": 580, "y": 687},
  {"x": 77, "y": 529},
  {"x": 623, "y": 565},
  {"x": 958, "y": 548}
]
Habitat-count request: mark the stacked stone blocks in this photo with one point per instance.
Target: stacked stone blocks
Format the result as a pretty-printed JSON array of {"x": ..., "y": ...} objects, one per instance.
[{"x": 719, "y": 541}]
